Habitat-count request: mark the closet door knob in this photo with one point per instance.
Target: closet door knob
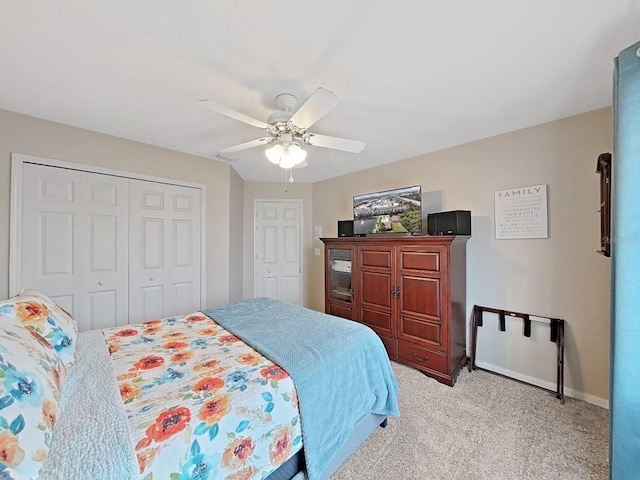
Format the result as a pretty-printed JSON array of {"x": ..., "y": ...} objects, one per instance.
[
  {"x": 151, "y": 279},
  {"x": 100, "y": 283}
]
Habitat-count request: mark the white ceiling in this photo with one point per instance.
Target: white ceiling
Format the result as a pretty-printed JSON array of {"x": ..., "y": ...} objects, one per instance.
[{"x": 413, "y": 76}]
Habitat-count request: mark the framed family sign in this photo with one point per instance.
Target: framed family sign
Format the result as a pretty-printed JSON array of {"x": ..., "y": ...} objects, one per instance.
[{"x": 521, "y": 212}]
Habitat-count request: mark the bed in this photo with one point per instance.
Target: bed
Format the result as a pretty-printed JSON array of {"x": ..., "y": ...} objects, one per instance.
[{"x": 253, "y": 389}]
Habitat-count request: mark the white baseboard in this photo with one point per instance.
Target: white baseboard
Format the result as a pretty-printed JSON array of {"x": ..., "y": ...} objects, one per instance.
[{"x": 568, "y": 392}]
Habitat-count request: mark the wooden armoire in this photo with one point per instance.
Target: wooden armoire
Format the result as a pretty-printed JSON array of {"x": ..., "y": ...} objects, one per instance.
[{"x": 410, "y": 290}]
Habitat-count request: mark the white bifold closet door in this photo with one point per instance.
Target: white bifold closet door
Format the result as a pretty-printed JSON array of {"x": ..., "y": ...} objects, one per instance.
[
  {"x": 75, "y": 242},
  {"x": 164, "y": 250},
  {"x": 111, "y": 250}
]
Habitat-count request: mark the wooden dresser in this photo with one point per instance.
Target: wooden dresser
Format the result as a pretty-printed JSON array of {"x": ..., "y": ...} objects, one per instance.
[{"x": 410, "y": 290}]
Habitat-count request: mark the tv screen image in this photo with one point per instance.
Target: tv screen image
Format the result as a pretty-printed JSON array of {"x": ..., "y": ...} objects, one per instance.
[{"x": 390, "y": 211}]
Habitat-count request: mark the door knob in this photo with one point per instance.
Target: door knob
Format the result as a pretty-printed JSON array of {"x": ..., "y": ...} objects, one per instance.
[
  {"x": 100, "y": 283},
  {"x": 151, "y": 279}
]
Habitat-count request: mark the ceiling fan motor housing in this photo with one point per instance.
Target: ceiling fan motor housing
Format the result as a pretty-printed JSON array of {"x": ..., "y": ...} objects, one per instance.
[
  {"x": 286, "y": 103},
  {"x": 277, "y": 118}
]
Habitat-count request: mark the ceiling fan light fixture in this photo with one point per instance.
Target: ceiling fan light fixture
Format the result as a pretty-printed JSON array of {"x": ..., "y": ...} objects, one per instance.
[
  {"x": 297, "y": 154},
  {"x": 274, "y": 153},
  {"x": 286, "y": 154},
  {"x": 286, "y": 161}
]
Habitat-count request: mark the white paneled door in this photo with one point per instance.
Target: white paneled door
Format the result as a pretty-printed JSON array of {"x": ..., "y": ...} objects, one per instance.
[
  {"x": 164, "y": 250},
  {"x": 277, "y": 261},
  {"x": 75, "y": 242},
  {"x": 109, "y": 249}
]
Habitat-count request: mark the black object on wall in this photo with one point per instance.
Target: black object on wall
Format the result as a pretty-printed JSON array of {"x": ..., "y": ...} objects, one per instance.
[
  {"x": 345, "y": 228},
  {"x": 456, "y": 222}
]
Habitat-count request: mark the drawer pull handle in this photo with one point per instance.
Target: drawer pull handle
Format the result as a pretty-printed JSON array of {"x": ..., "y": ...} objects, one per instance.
[{"x": 423, "y": 359}]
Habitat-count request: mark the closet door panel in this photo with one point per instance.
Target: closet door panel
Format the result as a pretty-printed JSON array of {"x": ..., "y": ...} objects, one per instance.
[
  {"x": 103, "y": 247},
  {"x": 103, "y": 243},
  {"x": 48, "y": 231},
  {"x": 152, "y": 244},
  {"x": 74, "y": 242},
  {"x": 183, "y": 293},
  {"x": 183, "y": 262},
  {"x": 102, "y": 307},
  {"x": 151, "y": 302},
  {"x": 56, "y": 241},
  {"x": 164, "y": 250}
]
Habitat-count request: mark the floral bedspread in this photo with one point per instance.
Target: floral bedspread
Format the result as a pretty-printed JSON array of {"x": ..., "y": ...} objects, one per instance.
[{"x": 200, "y": 403}]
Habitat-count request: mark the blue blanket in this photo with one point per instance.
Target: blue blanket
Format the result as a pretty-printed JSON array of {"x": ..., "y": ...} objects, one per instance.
[{"x": 340, "y": 368}]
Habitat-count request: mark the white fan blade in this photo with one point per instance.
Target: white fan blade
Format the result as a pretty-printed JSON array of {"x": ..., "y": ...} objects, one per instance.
[
  {"x": 243, "y": 146},
  {"x": 216, "y": 107},
  {"x": 321, "y": 102},
  {"x": 354, "y": 146}
]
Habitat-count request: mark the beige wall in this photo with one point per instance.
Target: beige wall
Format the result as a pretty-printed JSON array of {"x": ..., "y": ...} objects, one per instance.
[
  {"x": 28, "y": 135},
  {"x": 561, "y": 276},
  {"x": 279, "y": 191},
  {"x": 236, "y": 228}
]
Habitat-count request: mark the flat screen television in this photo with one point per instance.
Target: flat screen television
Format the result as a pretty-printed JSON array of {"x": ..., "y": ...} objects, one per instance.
[{"x": 391, "y": 211}]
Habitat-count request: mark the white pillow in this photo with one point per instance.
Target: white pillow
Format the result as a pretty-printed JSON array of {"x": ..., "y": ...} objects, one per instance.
[
  {"x": 30, "y": 377},
  {"x": 38, "y": 312}
]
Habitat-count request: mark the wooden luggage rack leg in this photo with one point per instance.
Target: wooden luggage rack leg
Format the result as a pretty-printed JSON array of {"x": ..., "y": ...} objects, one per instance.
[{"x": 556, "y": 336}]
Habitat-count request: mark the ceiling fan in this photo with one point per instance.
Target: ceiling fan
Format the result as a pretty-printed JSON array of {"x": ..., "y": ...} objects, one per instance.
[{"x": 287, "y": 126}]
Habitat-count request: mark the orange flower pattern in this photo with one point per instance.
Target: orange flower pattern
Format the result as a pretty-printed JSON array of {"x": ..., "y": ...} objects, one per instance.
[
  {"x": 280, "y": 448},
  {"x": 181, "y": 357},
  {"x": 250, "y": 358},
  {"x": 208, "y": 384},
  {"x": 238, "y": 452},
  {"x": 31, "y": 313},
  {"x": 198, "y": 399},
  {"x": 128, "y": 391},
  {"x": 214, "y": 409},
  {"x": 147, "y": 363},
  {"x": 10, "y": 452},
  {"x": 169, "y": 423},
  {"x": 273, "y": 372}
]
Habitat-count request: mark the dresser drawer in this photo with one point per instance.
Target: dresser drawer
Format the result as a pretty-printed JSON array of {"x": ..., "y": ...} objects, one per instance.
[{"x": 422, "y": 357}]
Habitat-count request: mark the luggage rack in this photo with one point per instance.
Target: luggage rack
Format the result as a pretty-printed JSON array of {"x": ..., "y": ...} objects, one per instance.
[{"x": 556, "y": 336}]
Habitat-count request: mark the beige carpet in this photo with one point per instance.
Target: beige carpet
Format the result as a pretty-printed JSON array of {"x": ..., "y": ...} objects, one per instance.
[{"x": 486, "y": 427}]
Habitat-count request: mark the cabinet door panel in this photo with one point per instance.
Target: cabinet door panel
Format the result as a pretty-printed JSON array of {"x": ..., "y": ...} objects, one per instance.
[
  {"x": 339, "y": 310},
  {"x": 339, "y": 281},
  {"x": 421, "y": 296},
  {"x": 415, "y": 330},
  {"x": 420, "y": 260},
  {"x": 370, "y": 257},
  {"x": 379, "y": 321},
  {"x": 376, "y": 305},
  {"x": 376, "y": 288}
]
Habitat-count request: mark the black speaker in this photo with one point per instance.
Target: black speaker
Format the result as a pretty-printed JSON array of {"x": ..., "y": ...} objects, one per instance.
[
  {"x": 456, "y": 222},
  {"x": 345, "y": 228}
]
